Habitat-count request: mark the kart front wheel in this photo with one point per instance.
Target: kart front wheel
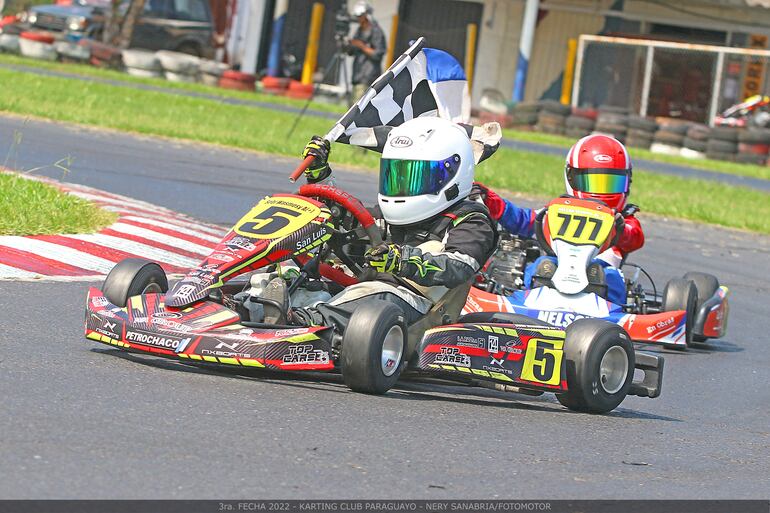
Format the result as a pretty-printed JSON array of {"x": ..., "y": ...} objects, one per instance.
[
  {"x": 681, "y": 294},
  {"x": 373, "y": 347},
  {"x": 599, "y": 359},
  {"x": 133, "y": 277}
]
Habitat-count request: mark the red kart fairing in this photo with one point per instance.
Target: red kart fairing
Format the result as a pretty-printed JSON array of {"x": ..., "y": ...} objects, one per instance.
[{"x": 205, "y": 332}]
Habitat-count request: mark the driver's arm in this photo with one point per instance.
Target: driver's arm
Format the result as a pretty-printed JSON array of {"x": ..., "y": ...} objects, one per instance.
[
  {"x": 468, "y": 245},
  {"x": 515, "y": 220}
]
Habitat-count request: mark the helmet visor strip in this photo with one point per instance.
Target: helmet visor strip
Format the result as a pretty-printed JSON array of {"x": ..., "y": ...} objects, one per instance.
[
  {"x": 416, "y": 177},
  {"x": 598, "y": 181}
]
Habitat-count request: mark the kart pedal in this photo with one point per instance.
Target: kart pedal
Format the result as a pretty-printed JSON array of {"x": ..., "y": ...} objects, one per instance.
[{"x": 277, "y": 294}]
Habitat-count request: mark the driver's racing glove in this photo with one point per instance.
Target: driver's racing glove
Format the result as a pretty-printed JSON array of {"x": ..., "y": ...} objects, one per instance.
[
  {"x": 319, "y": 169},
  {"x": 385, "y": 258}
]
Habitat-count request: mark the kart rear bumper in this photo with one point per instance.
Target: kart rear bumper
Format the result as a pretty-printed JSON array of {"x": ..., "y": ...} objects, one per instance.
[
  {"x": 206, "y": 332},
  {"x": 652, "y": 382}
]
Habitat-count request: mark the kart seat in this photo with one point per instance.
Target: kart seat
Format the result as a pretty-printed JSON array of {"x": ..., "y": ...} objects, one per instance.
[{"x": 501, "y": 318}]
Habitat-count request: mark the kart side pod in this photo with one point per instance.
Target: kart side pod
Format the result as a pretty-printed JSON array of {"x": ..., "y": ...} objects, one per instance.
[{"x": 533, "y": 358}]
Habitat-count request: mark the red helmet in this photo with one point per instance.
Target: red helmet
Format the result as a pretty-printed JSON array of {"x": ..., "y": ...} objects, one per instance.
[{"x": 598, "y": 168}]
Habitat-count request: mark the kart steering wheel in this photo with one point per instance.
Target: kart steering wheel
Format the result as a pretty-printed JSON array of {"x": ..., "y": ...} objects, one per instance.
[{"x": 360, "y": 214}]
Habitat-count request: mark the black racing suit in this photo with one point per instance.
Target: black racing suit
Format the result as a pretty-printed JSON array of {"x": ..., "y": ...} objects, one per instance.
[{"x": 437, "y": 255}]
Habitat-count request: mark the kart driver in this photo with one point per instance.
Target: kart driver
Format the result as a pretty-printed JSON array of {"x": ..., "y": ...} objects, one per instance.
[
  {"x": 436, "y": 238},
  {"x": 598, "y": 167}
]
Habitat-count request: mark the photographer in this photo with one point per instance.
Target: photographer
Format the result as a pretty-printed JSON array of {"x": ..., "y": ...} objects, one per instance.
[{"x": 368, "y": 46}]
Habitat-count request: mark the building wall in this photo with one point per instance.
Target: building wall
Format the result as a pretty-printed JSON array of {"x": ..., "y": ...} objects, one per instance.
[{"x": 498, "y": 47}]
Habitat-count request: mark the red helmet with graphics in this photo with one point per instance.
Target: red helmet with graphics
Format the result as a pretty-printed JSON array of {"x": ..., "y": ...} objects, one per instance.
[{"x": 598, "y": 168}]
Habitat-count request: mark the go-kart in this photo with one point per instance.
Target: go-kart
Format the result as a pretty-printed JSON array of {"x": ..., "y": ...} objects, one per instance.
[
  {"x": 691, "y": 308},
  {"x": 211, "y": 316},
  {"x": 208, "y": 316}
]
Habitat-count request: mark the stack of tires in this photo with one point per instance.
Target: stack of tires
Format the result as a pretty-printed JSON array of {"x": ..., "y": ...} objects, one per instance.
[
  {"x": 641, "y": 131},
  {"x": 612, "y": 121},
  {"x": 580, "y": 123},
  {"x": 669, "y": 137},
  {"x": 142, "y": 63},
  {"x": 232, "y": 79},
  {"x": 722, "y": 143},
  {"x": 179, "y": 67},
  {"x": 524, "y": 114},
  {"x": 37, "y": 46},
  {"x": 552, "y": 116},
  {"x": 9, "y": 43},
  {"x": 753, "y": 146},
  {"x": 211, "y": 71},
  {"x": 695, "y": 142},
  {"x": 71, "y": 51}
]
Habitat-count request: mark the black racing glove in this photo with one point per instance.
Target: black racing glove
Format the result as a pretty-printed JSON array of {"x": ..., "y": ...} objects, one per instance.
[
  {"x": 319, "y": 169},
  {"x": 385, "y": 258}
]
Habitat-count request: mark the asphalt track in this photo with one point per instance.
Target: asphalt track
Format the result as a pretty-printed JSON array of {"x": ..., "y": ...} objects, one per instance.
[{"x": 81, "y": 420}]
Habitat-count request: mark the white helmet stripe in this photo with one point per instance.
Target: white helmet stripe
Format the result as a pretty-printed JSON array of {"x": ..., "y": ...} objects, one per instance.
[{"x": 576, "y": 152}]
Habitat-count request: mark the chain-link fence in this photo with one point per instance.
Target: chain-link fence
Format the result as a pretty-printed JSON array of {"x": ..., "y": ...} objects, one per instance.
[{"x": 659, "y": 78}]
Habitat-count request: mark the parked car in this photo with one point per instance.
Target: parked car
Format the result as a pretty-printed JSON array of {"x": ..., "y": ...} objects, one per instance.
[{"x": 179, "y": 25}]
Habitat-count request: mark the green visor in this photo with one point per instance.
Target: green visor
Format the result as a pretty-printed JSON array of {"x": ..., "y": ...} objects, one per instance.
[
  {"x": 599, "y": 180},
  {"x": 416, "y": 177}
]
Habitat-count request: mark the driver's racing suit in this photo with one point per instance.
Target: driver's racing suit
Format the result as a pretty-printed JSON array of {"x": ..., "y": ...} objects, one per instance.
[
  {"x": 437, "y": 255},
  {"x": 520, "y": 221}
]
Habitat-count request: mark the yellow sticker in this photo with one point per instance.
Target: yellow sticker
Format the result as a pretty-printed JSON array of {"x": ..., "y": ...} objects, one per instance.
[
  {"x": 542, "y": 361},
  {"x": 579, "y": 225},
  {"x": 276, "y": 216}
]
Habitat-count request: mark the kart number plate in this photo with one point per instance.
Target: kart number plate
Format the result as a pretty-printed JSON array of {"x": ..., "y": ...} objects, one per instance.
[
  {"x": 275, "y": 217},
  {"x": 542, "y": 361},
  {"x": 579, "y": 225}
]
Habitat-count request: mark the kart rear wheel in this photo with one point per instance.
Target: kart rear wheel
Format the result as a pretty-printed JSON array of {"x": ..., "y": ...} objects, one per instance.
[
  {"x": 681, "y": 294},
  {"x": 599, "y": 359},
  {"x": 706, "y": 285},
  {"x": 133, "y": 277},
  {"x": 373, "y": 347}
]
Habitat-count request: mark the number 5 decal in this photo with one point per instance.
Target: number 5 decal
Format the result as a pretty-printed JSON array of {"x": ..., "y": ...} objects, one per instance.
[
  {"x": 542, "y": 361},
  {"x": 273, "y": 218}
]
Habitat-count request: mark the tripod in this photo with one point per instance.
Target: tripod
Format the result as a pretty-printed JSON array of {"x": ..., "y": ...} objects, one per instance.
[{"x": 335, "y": 67}]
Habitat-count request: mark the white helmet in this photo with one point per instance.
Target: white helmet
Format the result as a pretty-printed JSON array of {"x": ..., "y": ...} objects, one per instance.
[
  {"x": 426, "y": 166},
  {"x": 362, "y": 8}
]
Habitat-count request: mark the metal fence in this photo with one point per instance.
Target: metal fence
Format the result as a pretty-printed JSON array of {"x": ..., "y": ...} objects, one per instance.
[{"x": 660, "y": 78}]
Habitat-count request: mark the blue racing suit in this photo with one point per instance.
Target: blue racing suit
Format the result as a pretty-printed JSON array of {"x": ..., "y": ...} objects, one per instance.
[{"x": 520, "y": 221}]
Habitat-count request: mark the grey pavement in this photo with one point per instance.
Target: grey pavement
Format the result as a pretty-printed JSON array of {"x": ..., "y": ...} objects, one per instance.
[
  {"x": 82, "y": 420},
  {"x": 641, "y": 164}
]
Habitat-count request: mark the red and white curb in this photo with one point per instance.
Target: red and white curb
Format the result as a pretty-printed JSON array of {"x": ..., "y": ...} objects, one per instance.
[{"x": 175, "y": 241}]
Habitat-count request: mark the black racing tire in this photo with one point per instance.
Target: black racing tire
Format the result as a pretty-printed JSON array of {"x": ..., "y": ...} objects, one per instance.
[
  {"x": 525, "y": 108},
  {"x": 549, "y": 118},
  {"x": 639, "y": 142},
  {"x": 724, "y": 133},
  {"x": 695, "y": 144},
  {"x": 133, "y": 277},
  {"x": 375, "y": 328},
  {"x": 698, "y": 132},
  {"x": 751, "y": 158},
  {"x": 526, "y": 118},
  {"x": 640, "y": 134},
  {"x": 578, "y": 122},
  {"x": 555, "y": 107},
  {"x": 642, "y": 123},
  {"x": 615, "y": 130},
  {"x": 754, "y": 136},
  {"x": 718, "y": 155},
  {"x": 591, "y": 388},
  {"x": 721, "y": 146},
  {"x": 706, "y": 285},
  {"x": 611, "y": 118},
  {"x": 576, "y": 133},
  {"x": 681, "y": 294},
  {"x": 670, "y": 138},
  {"x": 675, "y": 128}
]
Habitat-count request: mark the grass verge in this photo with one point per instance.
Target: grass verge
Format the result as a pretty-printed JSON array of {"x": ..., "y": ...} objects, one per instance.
[
  {"x": 29, "y": 207},
  {"x": 748, "y": 170},
  {"x": 265, "y": 130},
  {"x": 731, "y": 168},
  {"x": 109, "y": 74}
]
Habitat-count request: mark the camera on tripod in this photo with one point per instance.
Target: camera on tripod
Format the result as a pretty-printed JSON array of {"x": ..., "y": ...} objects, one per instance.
[{"x": 342, "y": 21}]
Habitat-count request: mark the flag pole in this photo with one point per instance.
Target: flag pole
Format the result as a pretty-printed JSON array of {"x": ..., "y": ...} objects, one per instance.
[{"x": 378, "y": 85}]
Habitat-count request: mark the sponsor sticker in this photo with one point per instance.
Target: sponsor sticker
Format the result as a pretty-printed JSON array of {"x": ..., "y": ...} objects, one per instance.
[
  {"x": 468, "y": 341},
  {"x": 99, "y": 301},
  {"x": 602, "y": 158},
  {"x": 154, "y": 339},
  {"x": 562, "y": 319},
  {"x": 107, "y": 327},
  {"x": 452, "y": 356},
  {"x": 305, "y": 354},
  {"x": 493, "y": 344}
]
